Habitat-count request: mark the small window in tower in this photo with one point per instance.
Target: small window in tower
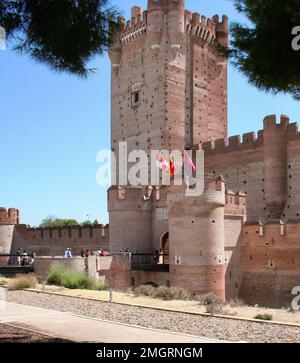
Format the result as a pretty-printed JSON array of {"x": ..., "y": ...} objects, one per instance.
[
  {"x": 135, "y": 100},
  {"x": 136, "y": 97}
]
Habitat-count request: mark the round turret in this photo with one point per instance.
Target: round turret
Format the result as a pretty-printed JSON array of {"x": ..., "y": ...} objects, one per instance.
[
  {"x": 221, "y": 29},
  {"x": 115, "y": 50},
  {"x": 176, "y": 15},
  {"x": 155, "y": 21},
  {"x": 196, "y": 238}
]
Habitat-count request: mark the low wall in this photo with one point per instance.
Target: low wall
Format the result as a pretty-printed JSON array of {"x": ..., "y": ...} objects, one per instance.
[
  {"x": 42, "y": 265},
  {"x": 114, "y": 271}
]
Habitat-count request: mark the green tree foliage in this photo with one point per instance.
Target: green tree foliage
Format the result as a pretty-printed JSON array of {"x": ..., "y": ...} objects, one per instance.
[
  {"x": 86, "y": 223},
  {"x": 263, "y": 51},
  {"x": 64, "y": 34},
  {"x": 53, "y": 222}
]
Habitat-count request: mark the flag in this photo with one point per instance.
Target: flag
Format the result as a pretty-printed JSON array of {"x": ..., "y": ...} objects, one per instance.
[
  {"x": 162, "y": 163},
  {"x": 188, "y": 161},
  {"x": 172, "y": 166},
  {"x": 168, "y": 167}
]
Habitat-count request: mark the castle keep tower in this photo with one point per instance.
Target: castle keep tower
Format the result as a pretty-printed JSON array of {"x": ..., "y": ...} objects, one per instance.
[
  {"x": 168, "y": 91},
  {"x": 169, "y": 85}
]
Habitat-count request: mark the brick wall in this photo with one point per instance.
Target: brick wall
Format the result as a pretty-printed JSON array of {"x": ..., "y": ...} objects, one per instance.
[
  {"x": 271, "y": 263},
  {"x": 53, "y": 242}
]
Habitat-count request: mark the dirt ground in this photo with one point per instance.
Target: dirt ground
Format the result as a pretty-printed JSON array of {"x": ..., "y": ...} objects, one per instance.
[
  {"x": 248, "y": 312},
  {"x": 10, "y": 334}
]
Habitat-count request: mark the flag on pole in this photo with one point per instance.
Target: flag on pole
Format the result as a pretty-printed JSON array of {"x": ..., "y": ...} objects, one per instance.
[
  {"x": 168, "y": 167},
  {"x": 188, "y": 161},
  {"x": 172, "y": 166},
  {"x": 162, "y": 163}
]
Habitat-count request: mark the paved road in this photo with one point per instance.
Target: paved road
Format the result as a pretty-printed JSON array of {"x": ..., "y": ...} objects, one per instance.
[{"x": 83, "y": 329}]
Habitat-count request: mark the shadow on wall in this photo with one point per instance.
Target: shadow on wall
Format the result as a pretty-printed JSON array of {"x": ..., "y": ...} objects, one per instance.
[{"x": 233, "y": 277}]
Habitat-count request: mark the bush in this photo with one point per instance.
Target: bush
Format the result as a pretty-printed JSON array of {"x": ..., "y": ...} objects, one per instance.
[
  {"x": 144, "y": 290},
  {"x": 180, "y": 294},
  {"x": 56, "y": 274},
  {"x": 162, "y": 292},
  {"x": 211, "y": 302},
  {"x": 264, "y": 317},
  {"x": 71, "y": 279},
  {"x": 3, "y": 281},
  {"x": 237, "y": 302},
  {"x": 22, "y": 282}
]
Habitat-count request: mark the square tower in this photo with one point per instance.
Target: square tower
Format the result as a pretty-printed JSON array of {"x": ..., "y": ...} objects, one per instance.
[
  {"x": 168, "y": 92},
  {"x": 169, "y": 84}
]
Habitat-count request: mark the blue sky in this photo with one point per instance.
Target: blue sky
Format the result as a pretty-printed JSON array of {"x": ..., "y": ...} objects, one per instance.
[{"x": 52, "y": 126}]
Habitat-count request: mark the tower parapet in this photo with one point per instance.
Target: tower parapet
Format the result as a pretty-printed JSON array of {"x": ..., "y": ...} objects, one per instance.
[
  {"x": 171, "y": 16},
  {"x": 10, "y": 216},
  {"x": 221, "y": 29}
]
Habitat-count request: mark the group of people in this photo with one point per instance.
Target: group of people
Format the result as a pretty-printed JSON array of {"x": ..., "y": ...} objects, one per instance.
[
  {"x": 87, "y": 253},
  {"x": 84, "y": 253},
  {"x": 24, "y": 258},
  {"x": 127, "y": 252}
]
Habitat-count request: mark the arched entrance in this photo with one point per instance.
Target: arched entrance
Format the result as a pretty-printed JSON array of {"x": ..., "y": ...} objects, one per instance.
[{"x": 164, "y": 243}]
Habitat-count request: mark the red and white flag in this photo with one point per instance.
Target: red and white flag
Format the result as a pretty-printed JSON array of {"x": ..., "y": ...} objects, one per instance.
[
  {"x": 162, "y": 163},
  {"x": 168, "y": 167}
]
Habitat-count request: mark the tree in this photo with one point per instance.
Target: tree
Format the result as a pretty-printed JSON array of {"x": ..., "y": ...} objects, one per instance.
[
  {"x": 65, "y": 34},
  {"x": 86, "y": 223},
  {"x": 263, "y": 51},
  {"x": 53, "y": 222}
]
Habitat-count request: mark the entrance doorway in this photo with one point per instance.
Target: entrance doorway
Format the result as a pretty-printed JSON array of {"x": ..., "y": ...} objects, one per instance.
[{"x": 165, "y": 248}]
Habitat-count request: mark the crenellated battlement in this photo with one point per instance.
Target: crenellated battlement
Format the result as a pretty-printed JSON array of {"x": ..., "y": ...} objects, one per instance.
[
  {"x": 68, "y": 232},
  {"x": 134, "y": 28},
  {"x": 234, "y": 143},
  {"x": 141, "y": 21},
  {"x": 235, "y": 204},
  {"x": 10, "y": 216},
  {"x": 290, "y": 129},
  {"x": 207, "y": 29},
  {"x": 233, "y": 198},
  {"x": 200, "y": 26},
  {"x": 253, "y": 140},
  {"x": 293, "y": 131},
  {"x": 270, "y": 122}
]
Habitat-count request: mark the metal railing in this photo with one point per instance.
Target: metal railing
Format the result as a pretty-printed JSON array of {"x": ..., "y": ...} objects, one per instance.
[
  {"x": 15, "y": 260},
  {"x": 139, "y": 259}
]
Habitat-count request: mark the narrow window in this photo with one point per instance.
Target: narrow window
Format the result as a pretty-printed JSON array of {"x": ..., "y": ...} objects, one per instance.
[{"x": 135, "y": 99}]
